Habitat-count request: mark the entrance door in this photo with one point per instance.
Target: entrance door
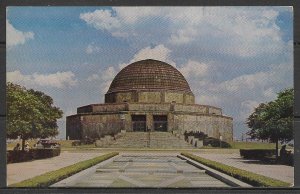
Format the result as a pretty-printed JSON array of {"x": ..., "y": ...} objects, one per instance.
[
  {"x": 160, "y": 122},
  {"x": 138, "y": 122}
]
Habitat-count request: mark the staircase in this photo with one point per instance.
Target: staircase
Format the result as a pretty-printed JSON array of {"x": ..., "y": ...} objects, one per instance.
[{"x": 158, "y": 140}]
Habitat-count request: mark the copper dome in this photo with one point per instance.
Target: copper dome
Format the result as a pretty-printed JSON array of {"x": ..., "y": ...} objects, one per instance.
[{"x": 148, "y": 75}]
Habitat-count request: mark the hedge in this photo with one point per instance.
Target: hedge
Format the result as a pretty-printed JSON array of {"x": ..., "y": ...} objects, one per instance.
[
  {"x": 55, "y": 176},
  {"x": 214, "y": 142},
  {"x": 23, "y": 156},
  {"x": 243, "y": 175},
  {"x": 259, "y": 154}
]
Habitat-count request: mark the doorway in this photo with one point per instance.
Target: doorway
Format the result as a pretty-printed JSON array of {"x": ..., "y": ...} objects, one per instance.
[
  {"x": 138, "y": 122},
  {"x": 160, "y": 122}
]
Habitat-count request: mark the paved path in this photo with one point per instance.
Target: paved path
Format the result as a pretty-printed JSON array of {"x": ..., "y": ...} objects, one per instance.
[
  {"x": 280, "y": 172},
  {"x": 21, "y": 171},
  {"x": 142, "y": 170},
  {"x": 17, "y": 172}
]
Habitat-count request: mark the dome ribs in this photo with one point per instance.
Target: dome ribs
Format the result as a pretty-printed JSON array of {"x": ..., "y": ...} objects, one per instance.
[{"x": 149, "y": 75}]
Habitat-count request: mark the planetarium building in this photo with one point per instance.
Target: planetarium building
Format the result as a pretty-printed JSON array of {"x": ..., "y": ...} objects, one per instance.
[{"x": 148, "y": 95}]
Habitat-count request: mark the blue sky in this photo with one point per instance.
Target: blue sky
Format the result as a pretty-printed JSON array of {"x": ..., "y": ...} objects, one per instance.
[{"x": 232, "y": 57}]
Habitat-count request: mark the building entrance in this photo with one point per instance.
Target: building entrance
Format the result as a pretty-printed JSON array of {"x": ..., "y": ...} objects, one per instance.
[
  {"x": 138, "y": 122},
  {"x": 160, "y": 122}
]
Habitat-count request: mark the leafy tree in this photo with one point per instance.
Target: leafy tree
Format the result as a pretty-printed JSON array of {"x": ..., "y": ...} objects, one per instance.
[
  {"x": 273, "y": 120},
  {"x": 31, "y": 114}
]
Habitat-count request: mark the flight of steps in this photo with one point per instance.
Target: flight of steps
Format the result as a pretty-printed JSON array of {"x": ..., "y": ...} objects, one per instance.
[{"x": 163, "y": 140}]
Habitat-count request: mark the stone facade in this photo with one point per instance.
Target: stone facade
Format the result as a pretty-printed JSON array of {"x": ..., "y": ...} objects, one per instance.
[
  {"x": 160, "y": 100},
  {"x": 150, "y": 97},
  {"x": 97, "y": 120}
]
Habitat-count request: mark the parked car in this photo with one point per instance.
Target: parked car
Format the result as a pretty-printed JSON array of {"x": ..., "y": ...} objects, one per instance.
[{"x": 45, "y": 143}]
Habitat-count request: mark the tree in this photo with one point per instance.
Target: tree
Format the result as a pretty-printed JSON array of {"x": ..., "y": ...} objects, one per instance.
[
  {"x": 31, "y": 114},
  {"x": 273, "y": 120}
]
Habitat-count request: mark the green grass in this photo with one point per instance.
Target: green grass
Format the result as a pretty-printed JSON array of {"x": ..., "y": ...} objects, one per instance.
[
  {"x": 255, "y": 145},
  {"x": 243, "y": 175},
  {"x": 52, "y": 177},
  {"x": 252, "y": 145}
]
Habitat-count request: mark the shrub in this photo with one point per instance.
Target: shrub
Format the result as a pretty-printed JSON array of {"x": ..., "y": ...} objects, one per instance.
[
  {"x": 46, "y": 153},
  {"x": 76, "y": 143},
  {"x": 19, "y": 156},
  {"x": 87, "y": 141},
  {"x": 197, "y": 134},
  {"x": 243, "y": 175},
  {"x": 259, "y": 154},
  {"x": 23, "y": 156},
  {"x": 287, "y": 159},
  {"x": 214, "y": 142}
]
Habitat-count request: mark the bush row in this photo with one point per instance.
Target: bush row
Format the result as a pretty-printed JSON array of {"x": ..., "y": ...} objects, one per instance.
[
  {"x": 55, "y": 176},
  {"x": 266, "y": 155},
  {"x": 259, "y": 154},
  {"x": 207, "y": 141},
  {"x": 22, "y": 156},
  {"x": 214, "y": 142},
  {"x": 243, "y": 175}
]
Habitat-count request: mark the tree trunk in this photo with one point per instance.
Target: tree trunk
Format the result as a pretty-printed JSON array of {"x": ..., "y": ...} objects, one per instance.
[{"x": 276, "y": 149}]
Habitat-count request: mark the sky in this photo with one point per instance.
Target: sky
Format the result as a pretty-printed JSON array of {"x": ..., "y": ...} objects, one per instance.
[{"x": 232, "y": 57}]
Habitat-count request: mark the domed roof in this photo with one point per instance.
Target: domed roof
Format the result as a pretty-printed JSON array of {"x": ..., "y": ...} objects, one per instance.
[{"x": 148, "y": 75}]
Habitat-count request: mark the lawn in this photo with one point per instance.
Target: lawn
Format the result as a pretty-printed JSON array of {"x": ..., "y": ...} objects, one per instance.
[
  {"x": 255, "y": 145},
  {"x": 252, "y": 145},
  {"x": 243, "y": 175}
]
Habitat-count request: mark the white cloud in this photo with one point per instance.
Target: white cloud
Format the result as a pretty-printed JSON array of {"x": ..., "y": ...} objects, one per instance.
[
  {"x": 259, "y": 80},
  {"x": 109, "y": 73},
  {"x": 93, "y": 77},
  {"x": 104, "y": 78},
  {"x": 15, "y": 37},
  {"x": 239, "y": 95},
  {"x": 194, "y": 68},
  {"x": 56, "y": 80},
  {"x": 101, "y": 19},
  {"x": 122, "y": 65},
  {"x": 183, "y": 36},
  {"x": 91, "y": 48},
  {"x": 247, "y": 107},
  {"x": 239, "y": 31},
  {"x": 248, "y": 82},
  {"x": 131, "y": 15},
  {"x": 159, "y": 52},
  {"x": 269, "y": 93},
  {"x": 270, "y": 14}
]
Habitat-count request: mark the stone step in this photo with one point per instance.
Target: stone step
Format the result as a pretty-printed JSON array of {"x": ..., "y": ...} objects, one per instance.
[{"x": 141, "y": 140}]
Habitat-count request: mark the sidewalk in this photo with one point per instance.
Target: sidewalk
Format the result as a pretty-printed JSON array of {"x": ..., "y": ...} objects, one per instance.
[
  {"x": 279, "y": 172},
  {"x": 17, "y": 172}
]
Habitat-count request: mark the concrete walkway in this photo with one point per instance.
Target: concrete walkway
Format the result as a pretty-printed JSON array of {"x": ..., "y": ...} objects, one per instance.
[
  {"x": 281, "y": 172},
  {"x": 142, "y": 170},
  {"x": 17, "y": 172}
]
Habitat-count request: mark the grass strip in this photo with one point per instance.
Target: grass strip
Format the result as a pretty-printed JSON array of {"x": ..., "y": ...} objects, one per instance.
[
  {"x": 243, "y": 175},
  {"x": 52, "y": 177}
]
